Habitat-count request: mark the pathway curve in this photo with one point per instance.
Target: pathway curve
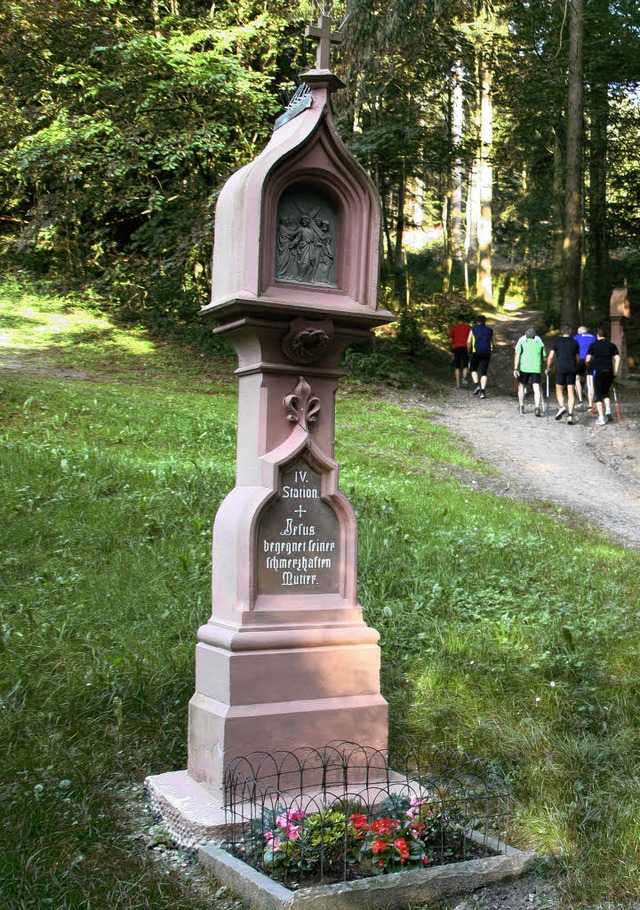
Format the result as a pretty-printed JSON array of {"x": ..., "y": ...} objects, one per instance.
[{"x": 594, "y": 471}]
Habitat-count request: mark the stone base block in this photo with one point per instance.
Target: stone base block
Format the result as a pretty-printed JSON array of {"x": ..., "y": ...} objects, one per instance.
[{"x": 218, "y": 733}]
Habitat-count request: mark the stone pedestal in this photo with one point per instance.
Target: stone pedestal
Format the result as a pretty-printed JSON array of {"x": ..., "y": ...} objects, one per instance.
[{"x": 286, "y": 659}]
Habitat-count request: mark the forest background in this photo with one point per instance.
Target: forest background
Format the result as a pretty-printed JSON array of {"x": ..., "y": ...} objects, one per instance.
[{"x": 502, "y": 137}]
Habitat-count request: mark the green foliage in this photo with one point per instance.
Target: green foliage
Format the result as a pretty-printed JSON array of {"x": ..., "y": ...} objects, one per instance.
[
  {"x": 441, "y": 312},
  {"x": 117, "y": 141}
]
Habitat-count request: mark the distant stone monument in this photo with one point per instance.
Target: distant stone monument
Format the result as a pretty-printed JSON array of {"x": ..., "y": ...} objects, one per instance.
[
  {"x": 619, "y": 310},
  {"x": 286, "y": 660}
]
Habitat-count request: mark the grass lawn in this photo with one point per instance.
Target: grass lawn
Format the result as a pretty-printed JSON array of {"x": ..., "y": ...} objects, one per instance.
[{"x": 504, "y": 632}]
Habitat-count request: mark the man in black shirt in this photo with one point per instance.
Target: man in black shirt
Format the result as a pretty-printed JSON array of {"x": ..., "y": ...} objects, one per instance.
[
  {"x": 603, "y": 359},
  {"x": 567, "y": 351}
]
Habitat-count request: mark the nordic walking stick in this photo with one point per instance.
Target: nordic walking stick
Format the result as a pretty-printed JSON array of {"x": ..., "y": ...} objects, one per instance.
[
  {"x": 615, "y": 399},
  {"x": 547, "y": 401}
]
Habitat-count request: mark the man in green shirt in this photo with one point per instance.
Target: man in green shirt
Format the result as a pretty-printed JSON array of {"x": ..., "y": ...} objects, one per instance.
[{"x": 527, "y": 365}]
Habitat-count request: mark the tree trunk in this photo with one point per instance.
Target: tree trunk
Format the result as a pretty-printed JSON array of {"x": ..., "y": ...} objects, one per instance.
[
  {"x": 400, "y": 220},
  {"x": 558, "y": 229},
  {"x": 572, "y": 247},
  {"x": 598, "y": 233},
  {"x": 448, "y": 243},
  {"x": 484, "y": 288},
  {"x": 457, "y": 131}
]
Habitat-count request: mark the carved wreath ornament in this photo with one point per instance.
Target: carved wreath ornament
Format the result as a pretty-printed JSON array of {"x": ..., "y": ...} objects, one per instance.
[
  {"x": 306, "y": 341},
  {"x": 302, "y": 408}
]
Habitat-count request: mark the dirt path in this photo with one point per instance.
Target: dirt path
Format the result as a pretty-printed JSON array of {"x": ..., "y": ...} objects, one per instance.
[{"x": 594, "y": 471}]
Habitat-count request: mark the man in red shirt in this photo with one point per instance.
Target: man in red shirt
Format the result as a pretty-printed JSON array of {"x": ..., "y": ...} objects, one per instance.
[{"x": 458, "y": 336}]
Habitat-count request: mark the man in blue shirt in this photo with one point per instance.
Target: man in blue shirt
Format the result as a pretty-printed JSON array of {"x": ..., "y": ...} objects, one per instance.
[
  {"x": 480, "y": 345},
  {"x": 584, "y": 338}
]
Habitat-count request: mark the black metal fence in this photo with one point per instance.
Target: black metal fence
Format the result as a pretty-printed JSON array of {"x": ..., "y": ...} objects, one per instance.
[{"x": 348, "y": 811}]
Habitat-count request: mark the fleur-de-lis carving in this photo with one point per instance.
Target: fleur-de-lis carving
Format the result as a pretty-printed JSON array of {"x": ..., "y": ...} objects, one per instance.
[{"x": 302, "y": 408}]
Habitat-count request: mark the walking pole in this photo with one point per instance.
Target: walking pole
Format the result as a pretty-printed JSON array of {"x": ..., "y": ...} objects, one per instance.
[
  {"x": 615, "y": 398},
  {"x": 547, "y": 401}
]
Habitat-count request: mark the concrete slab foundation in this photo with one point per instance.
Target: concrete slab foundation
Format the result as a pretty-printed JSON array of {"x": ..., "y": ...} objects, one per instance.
[{"x": 191, "y": 814}]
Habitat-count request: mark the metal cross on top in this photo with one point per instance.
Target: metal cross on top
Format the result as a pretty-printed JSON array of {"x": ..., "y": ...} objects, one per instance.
[{"x": 326, "y": 37}]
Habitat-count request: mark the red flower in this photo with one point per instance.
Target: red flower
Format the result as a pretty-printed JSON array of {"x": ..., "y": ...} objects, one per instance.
[
  {"x": 379, "y": 846},
  {"x": 403, "y": 848},
  {"x": 384, "y": 826},
  {"x": 359, "y": 822},
  {"x": 425, "y": 860}
]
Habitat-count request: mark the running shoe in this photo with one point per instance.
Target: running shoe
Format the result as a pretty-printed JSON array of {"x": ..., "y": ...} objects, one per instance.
[
  {"x": 600, "y": 422},
  {"x": 477, "y": 390},
  {"x": 521, "y": 410},
  {"x": 561, "y": 413},
  {"x": 608, "y": 416},
  {"x": 570, "y": 420},
  {"x": 537, "y": 412},
  {"x": 579, "y": 406},
  {"x": 483, "y": 394}
]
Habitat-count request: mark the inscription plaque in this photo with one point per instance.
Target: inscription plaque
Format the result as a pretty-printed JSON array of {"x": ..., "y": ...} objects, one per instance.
[{"x": 299, "y": 538}]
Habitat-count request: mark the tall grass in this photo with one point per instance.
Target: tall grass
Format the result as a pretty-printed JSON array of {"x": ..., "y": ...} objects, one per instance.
[{"x": 505, "y": 630}]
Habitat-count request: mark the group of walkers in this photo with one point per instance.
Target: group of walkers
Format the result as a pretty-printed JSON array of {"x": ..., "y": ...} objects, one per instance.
[{"x": 585, "y": 367}]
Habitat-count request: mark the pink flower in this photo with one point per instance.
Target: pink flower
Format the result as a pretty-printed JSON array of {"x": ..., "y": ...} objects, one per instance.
[{"x": 274, "y": 841}]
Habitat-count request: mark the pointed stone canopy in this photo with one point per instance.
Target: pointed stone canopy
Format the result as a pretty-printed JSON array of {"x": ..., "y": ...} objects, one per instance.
[{"x": 326, "y": 37}]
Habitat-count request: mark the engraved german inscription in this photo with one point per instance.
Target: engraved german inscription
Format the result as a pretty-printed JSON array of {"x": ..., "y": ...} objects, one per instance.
[{"x": 299, "y": 538}]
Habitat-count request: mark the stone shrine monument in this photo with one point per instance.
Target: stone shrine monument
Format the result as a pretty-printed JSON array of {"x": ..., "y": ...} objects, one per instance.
[
  {"x": 286, "y": 660},
  {"x": 619, "y": 311}
]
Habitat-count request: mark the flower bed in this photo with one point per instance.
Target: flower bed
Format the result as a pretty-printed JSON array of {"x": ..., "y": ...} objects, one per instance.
[{"x": 339, "y": 844}]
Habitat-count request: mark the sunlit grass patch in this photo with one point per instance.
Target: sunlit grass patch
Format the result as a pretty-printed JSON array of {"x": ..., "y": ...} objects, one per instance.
[
  {"x": 77, "y": 333},
  {"x": 31, "y": 322}
]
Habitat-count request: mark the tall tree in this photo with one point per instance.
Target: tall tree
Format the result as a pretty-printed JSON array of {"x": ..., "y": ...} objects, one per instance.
[{"x": 572, "y": 245}]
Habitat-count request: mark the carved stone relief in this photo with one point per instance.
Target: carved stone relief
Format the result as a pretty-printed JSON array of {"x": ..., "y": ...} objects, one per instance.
[
  {"x": 306, "y": 237},
  {"x": 307, "y": 340}
]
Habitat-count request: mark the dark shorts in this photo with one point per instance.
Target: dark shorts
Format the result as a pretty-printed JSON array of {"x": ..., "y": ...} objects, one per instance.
[
  {"x": 524, "y": 378},
  {"x": 565, "y": 379},
  {"x": 460, "y": 358},
  {"x": 480, "y": 362},
  {"x": 602, "y": 385}
]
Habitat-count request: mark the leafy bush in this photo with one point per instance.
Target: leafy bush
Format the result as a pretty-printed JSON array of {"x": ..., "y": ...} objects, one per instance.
[{"x": 442, "y": 310}]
